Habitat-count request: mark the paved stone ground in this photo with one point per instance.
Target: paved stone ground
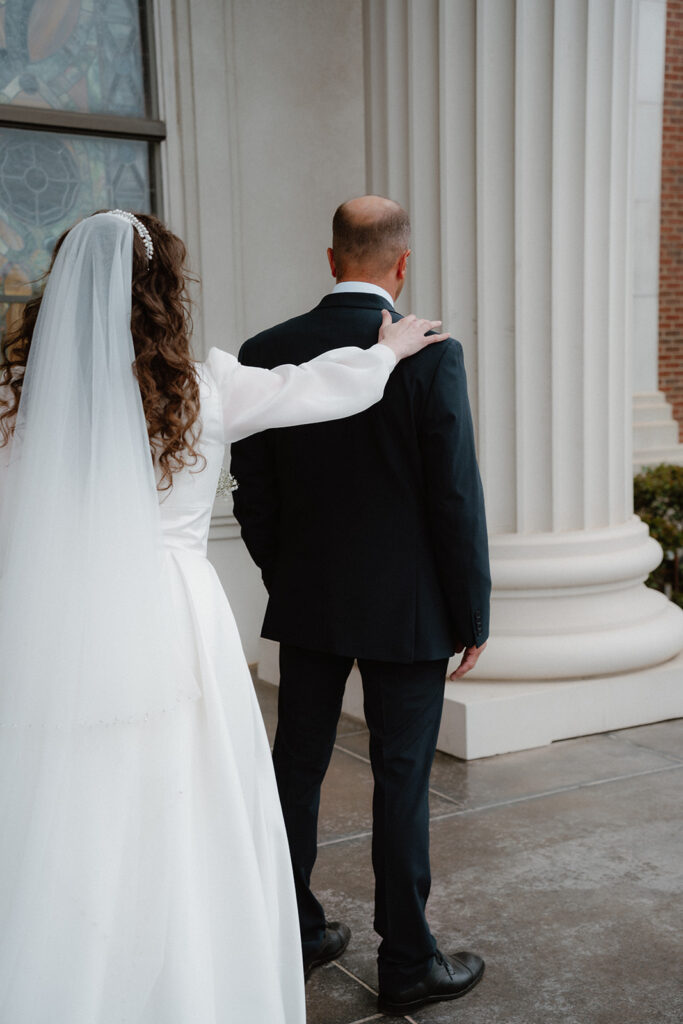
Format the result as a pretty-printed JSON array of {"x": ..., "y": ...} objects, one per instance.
[{"x": 561, "y": 866}]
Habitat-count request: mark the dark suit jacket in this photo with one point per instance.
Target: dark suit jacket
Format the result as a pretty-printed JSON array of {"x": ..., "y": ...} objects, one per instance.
[{"x": 369, "y": 531}]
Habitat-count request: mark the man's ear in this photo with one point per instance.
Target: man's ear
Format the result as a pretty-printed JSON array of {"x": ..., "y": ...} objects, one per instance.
[
  {"x": 402, "y": 265},
  {"x": 333, "y": 265}
]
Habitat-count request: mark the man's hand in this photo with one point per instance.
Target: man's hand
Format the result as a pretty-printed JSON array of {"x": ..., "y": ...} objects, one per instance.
[{"x": 468, "y": 660}]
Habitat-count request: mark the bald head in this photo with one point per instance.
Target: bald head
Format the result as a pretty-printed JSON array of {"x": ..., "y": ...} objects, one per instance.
[{"x": 369, "y": 236}]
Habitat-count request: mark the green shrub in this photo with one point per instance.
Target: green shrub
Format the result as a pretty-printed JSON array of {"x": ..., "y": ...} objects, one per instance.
[{"x": 658, "y": 500}]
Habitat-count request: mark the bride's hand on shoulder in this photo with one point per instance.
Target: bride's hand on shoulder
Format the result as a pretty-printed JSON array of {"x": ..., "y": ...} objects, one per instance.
[{"x": 408, "y": 335}]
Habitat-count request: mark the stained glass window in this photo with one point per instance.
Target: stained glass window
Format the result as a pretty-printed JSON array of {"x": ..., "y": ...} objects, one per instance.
[
  {"x": 49, "y": 181},
  {"x": 72, "y": 55},
  {"x": 77, "y": 132}
]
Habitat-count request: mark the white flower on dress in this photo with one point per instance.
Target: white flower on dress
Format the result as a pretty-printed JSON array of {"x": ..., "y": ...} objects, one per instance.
[{"x": 226, "y": 484}]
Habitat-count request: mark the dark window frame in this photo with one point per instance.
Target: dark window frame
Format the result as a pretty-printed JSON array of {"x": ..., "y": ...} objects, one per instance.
[{"x": 73, "y": 122}]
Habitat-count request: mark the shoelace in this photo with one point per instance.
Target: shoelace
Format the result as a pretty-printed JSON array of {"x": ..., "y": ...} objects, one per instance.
[{"x": 441, "y": 959}]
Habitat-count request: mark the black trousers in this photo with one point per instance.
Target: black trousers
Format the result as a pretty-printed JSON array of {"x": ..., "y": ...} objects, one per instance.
[{"x": 403, "y": 704}]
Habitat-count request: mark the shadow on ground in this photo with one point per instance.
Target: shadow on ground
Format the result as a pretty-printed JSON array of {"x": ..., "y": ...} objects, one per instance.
[{"x": 561, "y": 866}]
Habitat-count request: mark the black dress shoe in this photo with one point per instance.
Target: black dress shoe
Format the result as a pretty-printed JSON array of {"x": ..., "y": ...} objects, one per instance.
[
  {"x": 335, "y": 941},
  {"x": 449, "y": 978}
]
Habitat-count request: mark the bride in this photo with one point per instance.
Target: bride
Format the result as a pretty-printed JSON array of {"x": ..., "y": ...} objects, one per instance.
[{"x": 144, "y": 867}]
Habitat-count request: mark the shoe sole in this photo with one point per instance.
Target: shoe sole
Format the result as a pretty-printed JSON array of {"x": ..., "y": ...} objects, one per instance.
[
  {"x": 321, "y": 961},
  {"x": 400, "y": 1009}
]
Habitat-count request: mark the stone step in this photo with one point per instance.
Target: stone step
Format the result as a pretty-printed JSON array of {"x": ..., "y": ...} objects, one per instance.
[
  {"x": 655, "y": 434},
  {"x": 651, "y": 406},
  {"x": 672, "y": 455},
  {"x": 648, "y": 412}
]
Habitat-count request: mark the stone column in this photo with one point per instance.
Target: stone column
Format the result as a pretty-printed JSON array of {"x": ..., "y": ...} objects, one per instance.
[
  {"x": 505, "y": 128},
  {"x": 655, "y": 431}
]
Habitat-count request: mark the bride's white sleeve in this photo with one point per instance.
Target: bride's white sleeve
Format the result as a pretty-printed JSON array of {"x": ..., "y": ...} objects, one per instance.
[{"x": 336, "y": 384}]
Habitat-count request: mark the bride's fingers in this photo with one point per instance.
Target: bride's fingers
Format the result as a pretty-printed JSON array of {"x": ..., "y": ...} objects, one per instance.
[
  {"x": 425, "y": 325},
  {"x": 387, "y": 322},
  {"x": 431, "y": 339},
  {"x": 409, "y": 334},
  {"x": 409, "y": 322}
]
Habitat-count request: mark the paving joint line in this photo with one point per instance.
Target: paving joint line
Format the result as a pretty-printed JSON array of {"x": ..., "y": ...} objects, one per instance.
[
  {"x": 560, "y": 789},
  {"x": 445, "y": 796},
  {"x": 519, "y": 799},
  {"x": 366, "y": 760},
  {"x": 340, "y": 967},
  {"x": 354, "y": 977},
  {"x": 352, "y": 753},
  {"x": 642, "y": 746},
  {"x": 344, "y": 839}
]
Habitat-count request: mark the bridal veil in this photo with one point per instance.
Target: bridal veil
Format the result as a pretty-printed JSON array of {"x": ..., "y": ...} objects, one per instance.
[
  {"x": 95, "y": 699},
  {"x": 85, "y": 633}
]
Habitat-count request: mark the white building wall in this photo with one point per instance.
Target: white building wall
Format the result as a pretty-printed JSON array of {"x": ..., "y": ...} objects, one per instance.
[
  {"x": 264, "y": 110},
  {"x": 655, "y": 432},
  {"x": 647, "y": 173},
  {"x": 300, "y": 145}
]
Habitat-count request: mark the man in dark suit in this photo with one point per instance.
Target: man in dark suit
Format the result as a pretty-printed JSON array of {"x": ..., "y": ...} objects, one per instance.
[{"x": 371, "y": 537}]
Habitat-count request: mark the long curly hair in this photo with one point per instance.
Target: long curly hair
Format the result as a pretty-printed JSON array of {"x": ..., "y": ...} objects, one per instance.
[{"x": 161, "y": 325}]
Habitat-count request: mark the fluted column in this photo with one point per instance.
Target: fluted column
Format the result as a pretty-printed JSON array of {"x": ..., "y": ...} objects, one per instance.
[
  {"x": 509, "y": 141},
  {"x": 655, "y": 431}
]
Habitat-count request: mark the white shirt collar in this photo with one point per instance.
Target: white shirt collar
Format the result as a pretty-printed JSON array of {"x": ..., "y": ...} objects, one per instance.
[{"x": 363, "y": 286}]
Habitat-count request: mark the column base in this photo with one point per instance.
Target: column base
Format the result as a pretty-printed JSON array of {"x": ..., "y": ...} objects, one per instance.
[
  {"x": 573, "y": 604},
  {"x": 483, "y": 718}
]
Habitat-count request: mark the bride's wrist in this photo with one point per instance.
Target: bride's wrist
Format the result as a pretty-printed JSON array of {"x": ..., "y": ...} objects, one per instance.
[{"x": 391, "y": 347}]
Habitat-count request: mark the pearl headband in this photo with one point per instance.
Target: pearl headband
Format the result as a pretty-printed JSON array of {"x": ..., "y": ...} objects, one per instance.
[{"x": 139, "y": 227}]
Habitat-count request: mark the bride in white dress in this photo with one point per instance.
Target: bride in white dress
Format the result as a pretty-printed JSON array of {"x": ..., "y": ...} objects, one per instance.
[{"x": 144, "y": 867}]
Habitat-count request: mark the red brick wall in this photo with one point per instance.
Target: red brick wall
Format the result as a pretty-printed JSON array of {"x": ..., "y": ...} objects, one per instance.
[{"x": 671, "y": 238}]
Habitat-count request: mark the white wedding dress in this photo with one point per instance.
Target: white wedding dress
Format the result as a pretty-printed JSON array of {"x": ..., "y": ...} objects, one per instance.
[{"x": 144, "y": 869}]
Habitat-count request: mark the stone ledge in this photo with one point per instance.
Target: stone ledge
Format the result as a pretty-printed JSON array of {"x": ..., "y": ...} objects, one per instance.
[{"x": 485, "y": 718}]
